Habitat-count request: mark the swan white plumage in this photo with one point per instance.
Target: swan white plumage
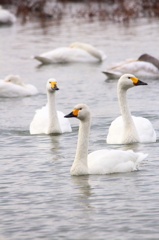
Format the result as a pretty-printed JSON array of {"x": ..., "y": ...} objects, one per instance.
[
  {"x": 76, "y": 52},
  {"x": 47, "y": 120},
  {"x": 101, "y": 161},
  {"x": 6, "y": 17},
  {"x": 12, "y": 86},
  {"x": 126, "y": 128},
  {"x": 145, "y": 65}
]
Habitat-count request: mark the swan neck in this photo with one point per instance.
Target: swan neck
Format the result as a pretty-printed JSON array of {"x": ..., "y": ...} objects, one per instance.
[
  {"x": 124, "y": 108},
  {"x": 79, "y": 166},
  {"x": 54, "y": 126},
  {"x": 92, "y": 51},
  {"x": 129, "y": 132}
]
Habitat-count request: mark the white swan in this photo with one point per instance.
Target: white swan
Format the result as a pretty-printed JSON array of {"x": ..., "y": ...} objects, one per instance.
[
  {"x": 126, "y": 128},
  {"x": 101, "y": 161},
  {"x": 6, "y": 17},
  {"x": 12, "y": 86},
  {"x": 47, "y": 120},
  {"x": 76, "y": 52},
  {"x": 145, "y": 65}
]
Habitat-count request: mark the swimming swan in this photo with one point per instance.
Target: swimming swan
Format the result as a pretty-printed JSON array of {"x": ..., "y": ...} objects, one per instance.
[
  {"x": 145, "y": 65},
  {"x": 126, "y": 128},
  {"x": 6, "y": 17},
  {"x": 76, "y": 52},
  {"x": 101, "y": 161},
  {"x": 12, "y": 86},
  {"x": 47, "y": 120}
]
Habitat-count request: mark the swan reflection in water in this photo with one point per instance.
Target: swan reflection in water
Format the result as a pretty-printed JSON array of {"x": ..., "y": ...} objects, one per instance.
[{"x": 84, "y": 190}]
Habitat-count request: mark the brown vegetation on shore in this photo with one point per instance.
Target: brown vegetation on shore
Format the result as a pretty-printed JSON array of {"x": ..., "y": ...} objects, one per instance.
[{"x": 111, "y": 10}]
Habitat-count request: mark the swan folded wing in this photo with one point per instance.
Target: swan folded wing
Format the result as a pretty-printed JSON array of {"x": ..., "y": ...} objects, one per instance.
[
  {"x": 142, "y": 68},
  {"x": 80, "y": 55},
  {"x": 115, "y": 132},
  {"x": 147, "y": 67},
  {"x": 71, "y": 55},
  {"x": 119, "y": 65},
  {"x": 113, "y": 161},
  {"x": 64, "y": 122},
  {"x": 59, "y": 55},
  {"x": 13, "y": 90},
  {"x": 32, "y": 89},
  {"x": 137, "y": 66},
  {"x": 40, "y": 121},
  {"x": 64, "y": 54},
  {"x": 145, "y": 129}
]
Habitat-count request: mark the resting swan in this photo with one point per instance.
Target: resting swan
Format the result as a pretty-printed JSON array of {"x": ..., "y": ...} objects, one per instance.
[
  {"x": 126, "y": 128},
  {"x": 47, "y": 120},
  {"x": 101, "y": 161},
  {"x": 12, "y": 86},
  {"x": 145, "y": 65},
  {"x": 6, "y": 17},
  {"x": 76, "y": 52}
]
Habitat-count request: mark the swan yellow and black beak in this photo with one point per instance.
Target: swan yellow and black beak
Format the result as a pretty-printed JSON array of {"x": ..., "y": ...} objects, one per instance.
[
  {"x": 54, "y": 86},
  {"x": 74, "y": 113},
  {"x": 137, "y": 82}
]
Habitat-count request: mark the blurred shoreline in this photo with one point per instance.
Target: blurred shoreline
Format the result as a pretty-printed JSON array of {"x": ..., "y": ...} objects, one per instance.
[{"x": 91, "y": 10}]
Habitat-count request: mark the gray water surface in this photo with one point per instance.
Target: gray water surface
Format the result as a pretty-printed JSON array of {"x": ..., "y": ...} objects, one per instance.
[{"x": 39, "y": 199}]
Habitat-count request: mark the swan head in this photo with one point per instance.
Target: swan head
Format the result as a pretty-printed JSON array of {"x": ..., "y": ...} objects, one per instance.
[
  {"x": 51, "y": 85},
  {"x": 14, "y": 79},
  {"x": 127, "y": 81},
  {"x": 80, "y": 111}
]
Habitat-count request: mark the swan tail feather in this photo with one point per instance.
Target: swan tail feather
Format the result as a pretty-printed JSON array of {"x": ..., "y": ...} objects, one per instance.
[
  {"x": 111, "y": 74},
  {"x": 43, "y": 59},
  {"x": 141, "y": 157}
]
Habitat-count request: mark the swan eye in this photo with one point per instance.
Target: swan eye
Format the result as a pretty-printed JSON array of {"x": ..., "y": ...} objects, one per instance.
[{"x": 80, "y": 109}]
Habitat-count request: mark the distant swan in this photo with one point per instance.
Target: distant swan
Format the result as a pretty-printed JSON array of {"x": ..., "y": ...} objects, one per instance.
[
  {"x": 6, "y": 17},
  {"x": 47, "y": 120},
  {"x": 145, "y": 65},
  {"x": 12, "y": 86},
  {"x": 76, "y": 52},
  {"x": 101, "y": 161},
  {"x": 126, "y": 128}
]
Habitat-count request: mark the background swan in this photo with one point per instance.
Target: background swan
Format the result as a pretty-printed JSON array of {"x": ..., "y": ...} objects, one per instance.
[
  {"x": 101, "y": 161},
  {"x": 12, "y": 86},
  {"x": 145, "y": 65},
  {"x": 127, "y": 128},
  {"x": 47, "y": 120},
  {"x": 6, "y": 17},
  {"x": 76, "y": 52}
]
